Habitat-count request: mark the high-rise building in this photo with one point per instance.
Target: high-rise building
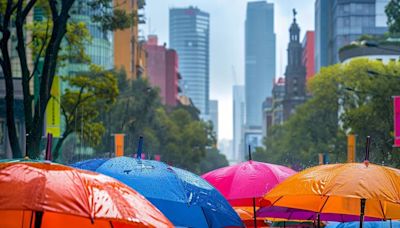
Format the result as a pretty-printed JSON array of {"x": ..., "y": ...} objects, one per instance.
[
  {"x": 295, "y": 74},
  {"x": 267, "y": 116},
  {"x": 278, "y": 95},
  {"x": 308, "y": 54},
  {"x": 339, "y": 22},
  {"x": 214, "y": 115},
  {"x": 259, "y": 58},
  {"x": 162, "y": 70},
  {"x": 129, "y": 51},
  {"x": 239, "y": 109},
  {"x": 189, "y": 36}
]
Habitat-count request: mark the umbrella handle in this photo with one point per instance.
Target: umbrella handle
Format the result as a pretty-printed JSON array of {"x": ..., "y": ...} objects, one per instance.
[{"x": 362, "y": 211}]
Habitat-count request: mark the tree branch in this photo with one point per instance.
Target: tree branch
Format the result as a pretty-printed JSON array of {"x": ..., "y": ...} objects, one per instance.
[
  {"x": 40, "y": 51},
  {"x": 53, "y": 9},
  {"x": 28, "y": 8}
]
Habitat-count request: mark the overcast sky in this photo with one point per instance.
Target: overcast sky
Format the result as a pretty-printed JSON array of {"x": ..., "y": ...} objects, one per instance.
[{"x": 227, "y": 41}]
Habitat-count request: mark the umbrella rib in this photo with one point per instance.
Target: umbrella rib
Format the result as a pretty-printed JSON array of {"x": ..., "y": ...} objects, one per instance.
[
  {"x": 383, "y": 213},
  {"x": 320, "y": 211},
  {"x": 273, "y": 204}
]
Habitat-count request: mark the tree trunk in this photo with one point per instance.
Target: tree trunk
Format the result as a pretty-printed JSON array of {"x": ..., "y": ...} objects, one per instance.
[{"x": 6, "y": 66}]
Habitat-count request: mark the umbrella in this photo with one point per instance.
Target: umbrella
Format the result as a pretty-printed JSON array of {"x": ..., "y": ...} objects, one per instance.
[
  {"x": 299, "y": 214},
  {"x": 350, "y": 189},
  {"x": 381, "y": 224},
  {"x": 244, "y": 184},
  {"x": 185, "y": 198},
  {"x": 45, "y": 194}
]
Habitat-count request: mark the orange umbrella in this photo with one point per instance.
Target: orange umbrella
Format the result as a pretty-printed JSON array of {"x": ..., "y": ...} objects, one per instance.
[
  {"x": 39, "y": 194},
  {"x": 352, "y": 189}
]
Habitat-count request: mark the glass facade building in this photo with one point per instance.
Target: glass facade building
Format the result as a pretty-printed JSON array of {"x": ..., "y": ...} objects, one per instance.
[
  {"x": 189, "y": 36},
  {"x": 259, "y": 58},
  {"x": 100, "y": 49},
  {"x": 339, "y": 22}
]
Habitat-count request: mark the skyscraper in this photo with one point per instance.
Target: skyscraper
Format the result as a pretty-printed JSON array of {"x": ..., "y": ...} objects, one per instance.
[
  {"x": 189, "y": 36},
  {"x": 339, "y": 22},
  {"x": 259, "y": 58},
  {"x": 214, "y": 115},
  {"x": 238, "y": 121}
]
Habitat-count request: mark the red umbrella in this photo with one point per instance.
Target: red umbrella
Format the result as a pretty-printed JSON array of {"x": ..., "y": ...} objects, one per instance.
[{"x": 39, "y": 194}]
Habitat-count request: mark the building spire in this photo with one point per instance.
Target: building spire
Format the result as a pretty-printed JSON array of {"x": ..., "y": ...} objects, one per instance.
[{"x": 294, "y": 14}]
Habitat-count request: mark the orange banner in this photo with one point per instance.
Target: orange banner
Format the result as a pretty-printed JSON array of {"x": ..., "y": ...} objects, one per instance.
[
  {"x": 119, "y": 144},
  {"x": 351, "y": 148}
]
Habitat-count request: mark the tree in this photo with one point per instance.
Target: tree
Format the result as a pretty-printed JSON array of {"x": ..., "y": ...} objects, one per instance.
[
  {"x": 13, "y": 15},
  {"x": 213, "y": 160},
  {"x": 345, "y": 99},
  {"x": 89, "y": 94},
  {"x": 392, "y": 11}
]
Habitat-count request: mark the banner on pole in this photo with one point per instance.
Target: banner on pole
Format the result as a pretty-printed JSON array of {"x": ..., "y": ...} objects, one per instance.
[
  {"x": 119, "y": 144},
  {"x": 53, "y": 110},
  {"x": 351, "y": 148},
  {"x": 320, "y": 158},
  {"x": 396, "y": 120}
]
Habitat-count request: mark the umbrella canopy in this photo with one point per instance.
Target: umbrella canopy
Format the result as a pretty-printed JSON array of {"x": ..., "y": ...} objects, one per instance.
[
  {"x": 38, "y": 194},
  {"x": 299, "y": 214},
  {"x": 185, "y": 198},
  {"x": 381, "y": 224},
  {"x": 342, "y": 189},
  {"x": 247, "y": 180}
]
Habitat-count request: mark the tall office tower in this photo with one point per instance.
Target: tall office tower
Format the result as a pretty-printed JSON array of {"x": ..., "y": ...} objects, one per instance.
[
  {"x": 259, "y": 58},
  {"x": 239, "y": 109},
  {"x": 189, "y": 36},
  {"x": 295, "y": 74},
  {"x": 339, "y": 22},
  {"x": 214, "y": 115}
]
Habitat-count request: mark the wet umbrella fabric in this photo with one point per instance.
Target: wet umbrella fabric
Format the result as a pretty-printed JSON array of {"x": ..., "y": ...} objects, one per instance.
[
  {"x": 298, "y": 214},
  {"x": 185, "y": 198},
  {"x": 44, "y": 194},
  {"x": 381, "y": 224},
  {"x": 339, "y": 188}
]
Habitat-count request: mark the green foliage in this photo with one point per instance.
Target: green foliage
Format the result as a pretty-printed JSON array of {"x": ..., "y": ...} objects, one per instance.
[
  {"x": 392, "y": 11},
  {"x": 111, "y": 18},
  {"x": 88, "y": 94},
  {"x": 213, "y": 160},
  {"x": 176, "y": 134},
  {"x": 345, "y": 99}
]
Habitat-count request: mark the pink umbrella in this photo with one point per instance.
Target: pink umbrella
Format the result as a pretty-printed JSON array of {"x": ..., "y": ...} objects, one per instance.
[{"x": 246, "y": 183}]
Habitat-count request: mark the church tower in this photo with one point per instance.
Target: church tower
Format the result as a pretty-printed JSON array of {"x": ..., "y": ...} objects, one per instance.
[{"x": 295, "y": 74}]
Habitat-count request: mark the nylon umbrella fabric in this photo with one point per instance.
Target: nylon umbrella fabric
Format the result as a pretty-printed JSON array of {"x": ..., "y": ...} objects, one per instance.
[
  {"x": 381, "y": 224},
  {"x": 247, "y": 180},
  {"x": 185, "y": 198},
  {"x": 299, "y": 214},
  {"x": 339, "y": 188},
  {"x": 44, "y": 194}
]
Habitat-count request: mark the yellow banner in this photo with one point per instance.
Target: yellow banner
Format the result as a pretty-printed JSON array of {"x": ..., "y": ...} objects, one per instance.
[
  {"x": 351, "y": 148},
  {"x": 53, "y": 110},
  {"x": 119, "y": 145}
]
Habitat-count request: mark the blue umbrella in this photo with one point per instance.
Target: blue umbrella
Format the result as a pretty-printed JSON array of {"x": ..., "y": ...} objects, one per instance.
[{"x": 186, "y": 199}]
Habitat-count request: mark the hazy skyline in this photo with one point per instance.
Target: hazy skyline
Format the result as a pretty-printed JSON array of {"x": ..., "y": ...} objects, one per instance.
[{"x": 227, "y": 18}]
